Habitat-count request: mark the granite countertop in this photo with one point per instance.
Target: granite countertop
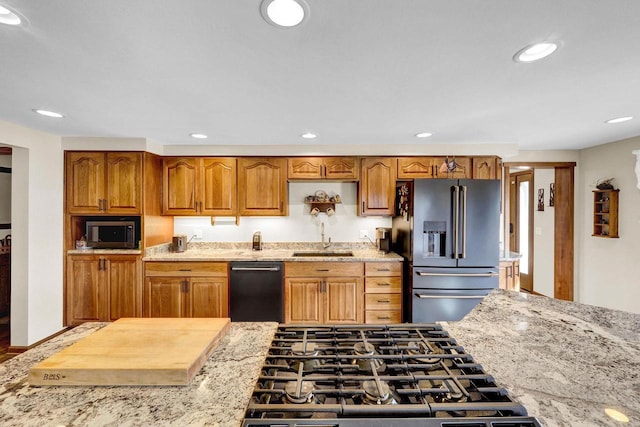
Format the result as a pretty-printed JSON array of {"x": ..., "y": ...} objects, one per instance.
[
  {"x": 565, "y": 362},
  {"x": 509, "y": 256},
  {"x": 217, "y": 396},
  {"x": 214, "y": 251}
]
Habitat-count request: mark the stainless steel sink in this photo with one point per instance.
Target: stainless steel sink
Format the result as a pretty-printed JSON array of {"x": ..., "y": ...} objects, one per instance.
[{"x": 323, "y": 253}]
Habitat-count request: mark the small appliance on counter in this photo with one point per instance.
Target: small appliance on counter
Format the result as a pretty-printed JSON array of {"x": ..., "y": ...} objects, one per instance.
[
  {"x": 383, "y": 239},
  {"x": 257, "y": 241},
  {"x": 179, "y": 243},
  {"x": 111, "y": 234}
]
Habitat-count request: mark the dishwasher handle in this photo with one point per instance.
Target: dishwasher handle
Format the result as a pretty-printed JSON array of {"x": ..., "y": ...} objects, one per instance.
[{"x": 255, "y": 268}]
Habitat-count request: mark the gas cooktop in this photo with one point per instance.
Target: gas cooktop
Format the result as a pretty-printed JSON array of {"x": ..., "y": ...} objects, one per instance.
[{"x": 376, "y": 375}]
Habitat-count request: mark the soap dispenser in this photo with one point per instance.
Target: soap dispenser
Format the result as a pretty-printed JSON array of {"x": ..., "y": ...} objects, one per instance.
[{"x": 257, "y": 241}]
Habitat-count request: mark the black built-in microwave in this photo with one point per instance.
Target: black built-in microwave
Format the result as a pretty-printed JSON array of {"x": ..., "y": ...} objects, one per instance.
[{"x": 111, "y": 234}]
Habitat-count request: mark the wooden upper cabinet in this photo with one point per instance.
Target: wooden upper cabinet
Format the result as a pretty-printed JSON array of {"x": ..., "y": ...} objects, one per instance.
[
  {"x": 199, "y": 186},
  {"x": 377, "y": 186},
  {"x": 487, "y": 168},
  {"x": 434, "y": 167},
  {"x": 335, "y": 168},
  {"x": 98, "y": 182},
  {"x": 262, "y": 187}
]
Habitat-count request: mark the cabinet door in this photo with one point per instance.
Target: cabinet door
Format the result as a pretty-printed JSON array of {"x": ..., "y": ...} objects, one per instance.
[
  {"x": 343, "y": 300},
  {"x": 302, "y": 296},
  {"x": 262, "y": 187},
  {"x": 485, "y": 168},
  {"x": 83, "y": 293},
  {"x": 416, "y": 167},
  {"x": 124, "y": 189},
  {"x": 305, "y": 168},
  {"x": 85, "y": 182},
  {"x": 208, "y": 297},
  {"x": 164, "y": 297},
  {"x": 124, "y": 286},
  {"x": 341, "y": 168},
  {"x": 217, "y": 186},
  {"x": 377, "y": 186},
  {"x": 179, "y": 186}
]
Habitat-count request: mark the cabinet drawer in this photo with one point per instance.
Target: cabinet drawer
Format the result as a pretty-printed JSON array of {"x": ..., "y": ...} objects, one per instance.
[
  {"x": 383, "y": 316},
  {"x": 383, "y": 302},
  {"x": 323, "y": 269},
  {"x": 383, "y": 285},
  {"x": 383, "y": 269},
  {"x": 183, "y": 269}
]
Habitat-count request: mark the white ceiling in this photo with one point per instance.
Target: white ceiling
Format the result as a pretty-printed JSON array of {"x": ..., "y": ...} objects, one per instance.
[{"x": 355, "y": 72}]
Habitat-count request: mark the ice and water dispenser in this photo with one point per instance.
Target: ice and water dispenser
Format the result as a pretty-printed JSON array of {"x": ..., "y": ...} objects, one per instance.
[{"x": 434, "y": 239}]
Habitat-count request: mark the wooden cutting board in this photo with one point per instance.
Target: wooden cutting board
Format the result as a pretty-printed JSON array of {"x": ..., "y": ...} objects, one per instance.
[{"x": 135, "y": 351}]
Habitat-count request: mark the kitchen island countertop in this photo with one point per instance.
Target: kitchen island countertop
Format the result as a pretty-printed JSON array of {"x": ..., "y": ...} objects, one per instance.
[{"x": 565, "y": 362}]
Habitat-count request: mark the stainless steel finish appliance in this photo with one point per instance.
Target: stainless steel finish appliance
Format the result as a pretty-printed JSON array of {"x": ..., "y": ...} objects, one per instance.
[
  {"x": 449, "y": 236},
  {"x": 256, "y": 291},
  {"x": 179, "y": 243},
  {"x": 111, "y": 234},
  {"x": 405, "y": 375},
  {"x": 383, "y": 239}
]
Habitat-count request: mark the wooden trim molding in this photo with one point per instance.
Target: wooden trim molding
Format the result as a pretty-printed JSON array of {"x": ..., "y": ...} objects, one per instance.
[
  {"x": 541, "y": 165},
  {"x": 22, "y": 349},
  {"x": 564, "y": 233}
]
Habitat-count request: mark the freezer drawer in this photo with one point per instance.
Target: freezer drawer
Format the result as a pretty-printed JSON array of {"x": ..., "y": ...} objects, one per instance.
[
  {"x": 435, "y": 305},
  {"x": 454, "y": 278}
]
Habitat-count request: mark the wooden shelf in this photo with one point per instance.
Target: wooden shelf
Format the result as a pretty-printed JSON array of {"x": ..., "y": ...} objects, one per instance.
[{"x": 605, "y": 213}]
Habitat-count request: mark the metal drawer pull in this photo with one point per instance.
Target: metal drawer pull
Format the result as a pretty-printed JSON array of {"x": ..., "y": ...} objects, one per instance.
[
  {"x": 487, "y": 274},
  {"x": 322, "y": 269},
  {"x": 384, "y": 317},
  {"x": 184, "y": 269},
  {"x": 255, "y": 268},
  {"x": 384, "y": 284},
  {"x": 384, "y": 300},
  {"x": 383, "y": 269},
  {"x": 423, "y": 296}
]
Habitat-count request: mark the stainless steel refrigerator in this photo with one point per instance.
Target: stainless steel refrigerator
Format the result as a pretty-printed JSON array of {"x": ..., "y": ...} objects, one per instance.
[{"x": 448, "y": 232}]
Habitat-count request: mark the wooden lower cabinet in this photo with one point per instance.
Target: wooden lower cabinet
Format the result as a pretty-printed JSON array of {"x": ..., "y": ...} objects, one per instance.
[
  {"x": 510, "y": 275},
  {"x": 102, "y": 288},
  {"x": 324, "y": 292},
  {"x": 187, "y": 289},
  {"x": 383, "y": 292}
]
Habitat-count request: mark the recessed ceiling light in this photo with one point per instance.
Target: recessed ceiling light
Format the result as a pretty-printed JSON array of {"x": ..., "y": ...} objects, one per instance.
[
  {"x": 619, "y": 120},
  {"x": 8, "y": 17},
  {"x": 49, "y": 113},
  {"x": 535, "y": 52},
  {"x": 199, "y": 136},
  {"x": 423, "y": 135},
  {"x": 284, "y": 13},
  {"x": 309, "y": 135}
]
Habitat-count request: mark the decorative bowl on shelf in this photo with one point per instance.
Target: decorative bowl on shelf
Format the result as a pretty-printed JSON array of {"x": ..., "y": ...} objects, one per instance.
[{"x": 605, "y": 184}]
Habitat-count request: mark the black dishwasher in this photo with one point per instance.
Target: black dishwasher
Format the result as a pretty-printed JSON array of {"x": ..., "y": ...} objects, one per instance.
[{"x": 255, "y": 291}]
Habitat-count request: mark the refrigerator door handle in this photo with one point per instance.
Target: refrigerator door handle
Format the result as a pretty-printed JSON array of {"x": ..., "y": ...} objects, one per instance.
[
  {"x": 487, "y": 274},
  {"x": 423, "y": 296},
  {"x": 464, "y": 221},
  {"x": 456, "y": 219}
]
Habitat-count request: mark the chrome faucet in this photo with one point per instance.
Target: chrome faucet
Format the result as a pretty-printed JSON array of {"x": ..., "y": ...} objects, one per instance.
[{"x": 324, "y": 245}]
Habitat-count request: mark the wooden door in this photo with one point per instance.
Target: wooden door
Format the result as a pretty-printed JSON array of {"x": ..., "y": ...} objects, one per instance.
[
  {"x": 85, "y": 182},
  {"x": 179, "y": 186},
  {"x": 415, "y": 167},
  {"x": 84, "y": 294},
  {"x": 164, "y": 297},
  {"x": 124, "y": 276},
  {"x": 305, "y": 168},
  {"x": 217, "y": 187},
  {"x": 340, "y": 168},
  {"x": 522, "y": 220},
  {"x": 485, "y": 168},
  {"x": 124, "y": 178},
  {"x": 377, "y": 186},
  {"x": 208, "y": 297},
  {"x": 343, "y": 300},
  {"x": 262, "y": 187},
  {"x": 303, "y": 301}
]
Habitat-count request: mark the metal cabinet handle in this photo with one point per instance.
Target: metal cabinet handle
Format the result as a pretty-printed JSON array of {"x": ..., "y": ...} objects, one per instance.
[
  {"x": 384, "y": 317},
  {"x": 363, "y": 208},
  {"x": 517, "y": 270},
  {"x": 464, "y": 221},
  {"x": 384, "y": 301},
  {"x": 487, "y": 274},
  {"x": 384, "y": 284},
  {"x": 383, "y": 269},
  {"x": 456, "y": 219},
  {"x": 322, "y": 269},
  {"x": 423, "y": 296},
  {"x": 184, "y": 269},
  {"x": 509, "y": 270}
]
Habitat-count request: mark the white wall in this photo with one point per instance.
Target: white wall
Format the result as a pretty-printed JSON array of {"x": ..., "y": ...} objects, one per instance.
[
  {"x": 543, "y": 234},
  {"x": 610, "y": 268},
  {"x": 37, "y": 233},
  {"x": 299, "y": 226}
]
